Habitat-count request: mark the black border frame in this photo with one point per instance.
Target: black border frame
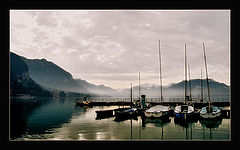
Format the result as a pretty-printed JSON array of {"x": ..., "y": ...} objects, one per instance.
[{"x": 186, "y": 4}]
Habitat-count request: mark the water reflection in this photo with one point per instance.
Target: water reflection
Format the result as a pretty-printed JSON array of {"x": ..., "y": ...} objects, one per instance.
[
  {"x": 60, "y": 119},
  {"x": 210, "y": 124},
  {"x": 157, "y": 122},
  {"x": 38, "y": 116},
  {"x": 120, "y": 119},
  {"x": 187, "y": 125}
]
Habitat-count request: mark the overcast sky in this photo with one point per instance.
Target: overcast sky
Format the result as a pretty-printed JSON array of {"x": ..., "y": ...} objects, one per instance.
[{"x": 111, "y": 47}]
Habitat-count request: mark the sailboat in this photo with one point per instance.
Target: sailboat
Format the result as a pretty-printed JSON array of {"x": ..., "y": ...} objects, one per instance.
[
  {"x": 201, "y": 99},
  {"x": 184, "y": 111},
  {"x": 190, "y": 95},
  {"x": 210, "y": 111},
  {"x": 126, "y": 113},
  {"x": 158, "y": 111}
]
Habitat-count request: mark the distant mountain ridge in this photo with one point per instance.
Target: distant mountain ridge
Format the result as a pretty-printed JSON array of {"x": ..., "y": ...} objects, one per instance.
[
  {"x": 177, "y": 89},
  {"x": 52, "y": 77},
  {"x": 98, "y": 89}
]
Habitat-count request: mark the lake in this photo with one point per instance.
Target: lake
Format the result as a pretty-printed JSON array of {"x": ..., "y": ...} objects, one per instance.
[{"x": 59, "y": 119}]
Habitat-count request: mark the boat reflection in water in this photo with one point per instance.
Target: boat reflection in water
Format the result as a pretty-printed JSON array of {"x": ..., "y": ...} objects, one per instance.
[
  {"x": 210, "y": 124},
  {"x": 207, "y": 123},
  {"x": 187, "y": 124},
  {"x": 158, "y": 122}
]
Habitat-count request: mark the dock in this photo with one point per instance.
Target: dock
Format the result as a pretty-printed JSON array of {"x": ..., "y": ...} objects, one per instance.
[
  {"x": 122, "y": 103},
  {"x": 118, "y": 103},
  {"x": 173, "y": 101},
  {"x": 226, "y": 112},
  {"x": 101, "y": 114}
]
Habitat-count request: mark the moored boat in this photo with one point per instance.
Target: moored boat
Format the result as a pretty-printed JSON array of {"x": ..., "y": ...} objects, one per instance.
[
  {"x": 125, "y": 113},
  {"x": 83, "y": 103},
  {"x": 185, "y": 111},
  {"x": 158, "y": 111},
  {"x": 210, "y": 111}
]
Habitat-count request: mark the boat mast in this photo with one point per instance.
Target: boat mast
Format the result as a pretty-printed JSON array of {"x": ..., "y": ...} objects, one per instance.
[
  {"x": 190, "y": 95},
  {"x": 201, "y": 86},
  {"x": 131, "y": 94},
  {"x": 139, "y": 87},
  {"x": 160, "y": 73},
  {"x": 185, "y": 100},
  {"x": 207, "y": 77}
]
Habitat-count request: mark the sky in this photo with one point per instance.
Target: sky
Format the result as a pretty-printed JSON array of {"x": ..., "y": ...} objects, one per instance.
[{"x": 111, "y": 47}]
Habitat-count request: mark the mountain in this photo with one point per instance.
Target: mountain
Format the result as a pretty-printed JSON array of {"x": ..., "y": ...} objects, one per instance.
[
  {"x": 20, "y": 81},
  {"x": 217, "y": 89},
  {"x": 52, "y": 77},
  {"x": 98, "y": 89}
]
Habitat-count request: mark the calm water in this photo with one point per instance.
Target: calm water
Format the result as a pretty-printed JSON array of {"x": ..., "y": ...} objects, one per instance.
[{"x": 60, "y": 119}]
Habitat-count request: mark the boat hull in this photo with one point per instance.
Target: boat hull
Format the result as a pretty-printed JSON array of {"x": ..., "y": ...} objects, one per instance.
[
  {"x": 185, "y": 112},
  {"x": 122, "y": 114},
  {"x": 101, "y": 114},
  {"x": 157, "y": 114},
  {"x": 158, "y": 111},
  {"x": 184, "y": 115},
  {"x": 211, "y": 123}
]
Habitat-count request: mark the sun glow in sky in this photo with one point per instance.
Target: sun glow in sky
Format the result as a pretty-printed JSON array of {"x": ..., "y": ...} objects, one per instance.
[{"x": 110, "y": 47}]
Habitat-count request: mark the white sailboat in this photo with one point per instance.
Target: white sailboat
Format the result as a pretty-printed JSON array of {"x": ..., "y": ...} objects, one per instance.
[
  {"x": 184, "y": 111},
  {"x": 210, "y": 111},
  {"x": 158, "y": 111}
]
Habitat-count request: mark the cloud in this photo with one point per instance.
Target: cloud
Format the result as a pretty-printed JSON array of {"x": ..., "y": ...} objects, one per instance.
[
  {"x": 118, "y": 43},
  {"x": 47, "y": 18}
]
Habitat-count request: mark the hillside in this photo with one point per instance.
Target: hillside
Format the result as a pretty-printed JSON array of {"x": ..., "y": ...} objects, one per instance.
[
  {"x": 53, "y": 77},
  {"x": 20, "y": 81}
]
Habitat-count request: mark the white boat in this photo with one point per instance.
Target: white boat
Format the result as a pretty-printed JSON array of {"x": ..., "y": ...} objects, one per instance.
[
  {"x": 210, "y": 111},
  {"x": 158, "y": 111},
  {"x": 185, "y": 111}
]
